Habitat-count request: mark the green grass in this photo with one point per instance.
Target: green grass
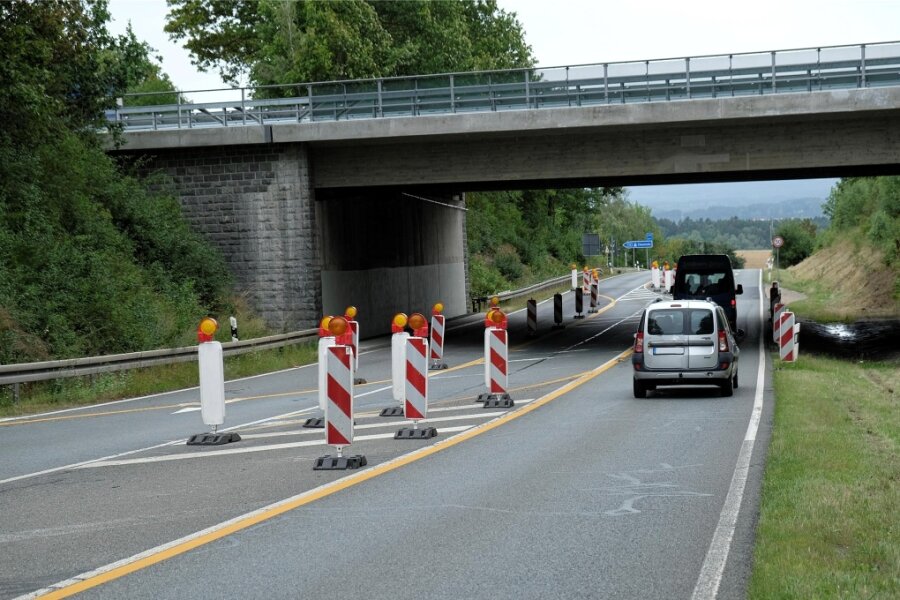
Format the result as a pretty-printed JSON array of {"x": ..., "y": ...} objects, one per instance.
[
  {"x": 829, "y": 523},
  {"x": 822, "y": 303},
  {"x": 77, "y": 391}
]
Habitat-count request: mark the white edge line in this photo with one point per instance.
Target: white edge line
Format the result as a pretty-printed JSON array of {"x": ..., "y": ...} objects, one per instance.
[{"x": 710, "y": 577}]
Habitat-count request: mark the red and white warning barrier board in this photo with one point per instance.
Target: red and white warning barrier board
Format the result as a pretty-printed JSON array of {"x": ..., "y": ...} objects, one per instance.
[
  {"x": 776, "y": 321},
  {"x": 531, "y": 319},
  {"x": 398, "y": 364},
  {"x": 786, "y": 336},
  {"x": 655, "y": 277},
  {"x": 415, "y": 406},
  {"x": 497, "y": 361},
  {"x": 585, "y": 281},
  {"x": 437, "y": 337},
  {"x": 339, "y": 408},
  {"x": 324, "y": 344},
  {"x": 212, "y": 383}
]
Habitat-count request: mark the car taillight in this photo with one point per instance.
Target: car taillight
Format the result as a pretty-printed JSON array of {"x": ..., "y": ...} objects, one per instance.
[
  {"x": 723, "y": 341},
  {"x": 733, "y": 303},
  {"x": 639, "y": 343}
]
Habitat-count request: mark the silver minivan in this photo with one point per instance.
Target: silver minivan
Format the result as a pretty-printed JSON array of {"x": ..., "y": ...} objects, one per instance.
[{"x": 687, "y": 342}]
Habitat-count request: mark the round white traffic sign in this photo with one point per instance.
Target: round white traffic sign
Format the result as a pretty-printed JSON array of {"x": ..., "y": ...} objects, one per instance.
[{"x": 778, "y": 241}]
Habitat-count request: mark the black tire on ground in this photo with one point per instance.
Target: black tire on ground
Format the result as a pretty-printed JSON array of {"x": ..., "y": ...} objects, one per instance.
[
  {"x": 728, "y": 388},
  {"x": 735, "y": 378},
  {"x": 640, "y": 391}
]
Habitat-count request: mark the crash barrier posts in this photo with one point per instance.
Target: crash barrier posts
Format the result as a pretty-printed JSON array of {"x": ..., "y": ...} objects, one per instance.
[
  {"x": 579, "y": 304},
  {"x": 787, "y": 335},
  {"x": 339, "y": 409},
  {"x": 212, "y": 386},
  {"x": 557, "y": 311},
  {"x": 532, "y": 317},
  {"x": 415, "y": 406},
  {"x": 436, "y": 338},
  {"x": 776, "y": 321}
]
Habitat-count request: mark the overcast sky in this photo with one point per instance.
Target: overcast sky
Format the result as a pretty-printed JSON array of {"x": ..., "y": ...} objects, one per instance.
[{"x": 569, "y": 32}]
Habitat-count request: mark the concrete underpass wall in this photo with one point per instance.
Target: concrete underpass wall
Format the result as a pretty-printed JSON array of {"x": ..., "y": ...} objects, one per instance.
[
  {"x": 386, "y": 252},
  {"x": 255, "y": 203}
]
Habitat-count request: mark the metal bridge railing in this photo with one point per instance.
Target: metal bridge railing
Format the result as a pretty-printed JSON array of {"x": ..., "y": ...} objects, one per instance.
[{"x": 743, "y": 74}]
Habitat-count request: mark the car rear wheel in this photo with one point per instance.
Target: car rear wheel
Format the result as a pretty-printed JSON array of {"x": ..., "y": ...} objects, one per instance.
[
  {"x": 640, "y": 391},
  {"x": 735, "y": 378},
  {"x": 728, "y": 388}
]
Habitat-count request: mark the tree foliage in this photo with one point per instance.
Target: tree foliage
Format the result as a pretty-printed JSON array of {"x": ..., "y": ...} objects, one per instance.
[
  {"x": 91, "y": 262},
  {"x": 870, "y": 205},
  {"x": 267, "y": 42}
]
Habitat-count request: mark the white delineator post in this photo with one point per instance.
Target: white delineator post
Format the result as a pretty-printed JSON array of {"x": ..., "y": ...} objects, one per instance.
[
  {"x": 339, "y": 407},
  {"x": 398, "y": 364},
  {"x": 574, "y": 278},
  {"x": 670, "y": 280},
  {"x": 212, "y": 384}
]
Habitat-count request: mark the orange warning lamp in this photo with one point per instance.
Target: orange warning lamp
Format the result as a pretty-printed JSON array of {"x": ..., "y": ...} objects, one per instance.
[
  {"x": 323, "y": 326},
  {"x": 418, "y": 324},
  {"x": 207, "y": 329},
  {"x": 398, "y": 323},
  {"x": 338, "y": 326},
  {"x": 573, "y": 266},
  {"x": 495, "y": 301},
  {"x": 437, "y": 309},
  {"x": 350, "y": 313},
  {"x": 596, "y": 275},
  {"x": 655, "y": 264}
]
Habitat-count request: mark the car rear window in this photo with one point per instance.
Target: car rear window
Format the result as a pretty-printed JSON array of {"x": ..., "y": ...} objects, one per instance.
[
  {"x": 705, "y": 284},
  {"x": 665, "y": 322}
]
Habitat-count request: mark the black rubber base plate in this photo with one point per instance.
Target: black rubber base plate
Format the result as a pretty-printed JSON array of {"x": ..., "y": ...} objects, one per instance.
[
  {"x": 394, "y": 411},
  {"x": 503, "y": 401},
  {"x": 438, "y": 366},
  {"x": 490, "y": 397},
  {"x": 213, "y": 439},
  {"x": 560, "y": 326},
  {"x": 578, "y": 317},
  {"x": 315, "y": 423},
  {"x": 359, "y": 381},
  {"x": 333, "y": 463},
  {"x": 415, "y": 434}
]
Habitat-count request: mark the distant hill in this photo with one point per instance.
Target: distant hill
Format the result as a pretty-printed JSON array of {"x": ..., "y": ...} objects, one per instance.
[{"x": 798, "y": 208}]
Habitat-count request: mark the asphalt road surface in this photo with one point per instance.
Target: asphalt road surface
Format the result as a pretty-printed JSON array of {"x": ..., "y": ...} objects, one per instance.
[{"x": 579, "y": 491}]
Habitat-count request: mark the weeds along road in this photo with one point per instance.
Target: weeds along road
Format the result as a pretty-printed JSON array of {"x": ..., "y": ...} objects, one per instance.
[{"x": 580, "y": 490}]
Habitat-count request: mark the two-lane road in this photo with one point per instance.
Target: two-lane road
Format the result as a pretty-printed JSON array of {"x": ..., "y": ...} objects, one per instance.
[{"x": 580, "y": 491}]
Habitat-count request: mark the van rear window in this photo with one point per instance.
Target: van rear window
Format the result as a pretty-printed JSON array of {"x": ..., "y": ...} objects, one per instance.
[
  {"x": 666, "y": 322},
  {"x": 705, "y": 284},
  {"x": 695, "y": 321}
]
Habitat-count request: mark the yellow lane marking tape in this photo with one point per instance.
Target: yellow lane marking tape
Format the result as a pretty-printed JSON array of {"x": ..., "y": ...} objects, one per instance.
[{"x": 156, "y": 555}]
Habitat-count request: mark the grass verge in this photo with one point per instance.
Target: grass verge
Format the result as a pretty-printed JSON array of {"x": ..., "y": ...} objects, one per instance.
[
  {"x": 828, "y": 525},
  {"x": 823, "y": 303},
  {"x": 77, "y": 391}
]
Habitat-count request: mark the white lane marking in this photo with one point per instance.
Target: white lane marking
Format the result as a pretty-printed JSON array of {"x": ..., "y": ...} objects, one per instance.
[
  {"x": 84, "y": 463},
  {"x": 187, "y": 410},
  {"x": 272, "y": 434},
  {"x": 387, "y": 387},
  {"x": 286, "y": 446},
  {"x": 710, "y": 578}
]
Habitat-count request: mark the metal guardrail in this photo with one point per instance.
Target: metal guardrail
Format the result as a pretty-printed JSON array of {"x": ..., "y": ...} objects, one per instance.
[
  {"x": 93, "y": 365},
  {"x": 78, "y": 367},
  {"x": 711, "y": 76}
]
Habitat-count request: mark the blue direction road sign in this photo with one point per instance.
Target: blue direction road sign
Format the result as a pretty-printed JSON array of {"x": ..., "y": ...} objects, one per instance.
[
  {"x": 638, "y": 244},
  {"x": 650, "y": 236}
]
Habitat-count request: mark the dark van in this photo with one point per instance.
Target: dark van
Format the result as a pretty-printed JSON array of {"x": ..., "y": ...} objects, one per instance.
[{"x": 702, "y": 276}]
